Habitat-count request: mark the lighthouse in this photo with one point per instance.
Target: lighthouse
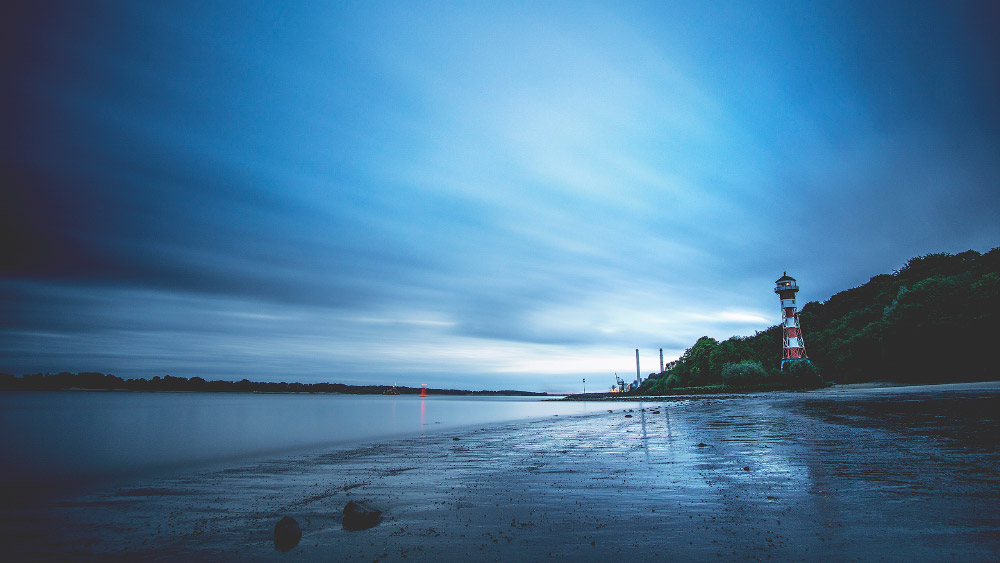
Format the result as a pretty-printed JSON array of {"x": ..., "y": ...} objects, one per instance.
[{"x": 793, "y": 347}]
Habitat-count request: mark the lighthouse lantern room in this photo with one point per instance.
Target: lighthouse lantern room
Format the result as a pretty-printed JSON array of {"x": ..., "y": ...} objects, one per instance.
[{"x": 793, "y": 347}]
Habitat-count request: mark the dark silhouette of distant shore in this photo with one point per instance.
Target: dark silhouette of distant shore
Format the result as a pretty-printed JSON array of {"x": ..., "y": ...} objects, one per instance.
[{"x": 94, "y": 381}]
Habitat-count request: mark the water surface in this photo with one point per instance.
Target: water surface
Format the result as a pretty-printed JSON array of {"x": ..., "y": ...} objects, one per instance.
[
  {"x": 74, "y": 437},
  {"x": 895, "y": 474}
]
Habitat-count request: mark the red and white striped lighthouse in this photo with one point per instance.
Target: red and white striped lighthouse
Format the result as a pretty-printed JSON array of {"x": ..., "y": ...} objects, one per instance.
[{"x": 793, "y": 348}]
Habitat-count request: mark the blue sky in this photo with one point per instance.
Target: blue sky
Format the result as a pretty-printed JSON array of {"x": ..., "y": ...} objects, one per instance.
[{"x": 470, "y": 194}]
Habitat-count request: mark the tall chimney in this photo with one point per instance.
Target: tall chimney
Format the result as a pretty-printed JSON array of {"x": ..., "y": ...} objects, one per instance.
[
  {"x": 661, "y": 360},
  {"x": 637, "y": 376}
]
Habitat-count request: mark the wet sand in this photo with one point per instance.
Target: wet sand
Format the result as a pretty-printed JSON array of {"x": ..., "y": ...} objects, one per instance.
[{"x": 902, "y": 473}]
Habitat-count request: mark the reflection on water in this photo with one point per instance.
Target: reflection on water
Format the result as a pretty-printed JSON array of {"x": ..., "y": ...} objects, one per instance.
[{"x": 67, "y": 436}]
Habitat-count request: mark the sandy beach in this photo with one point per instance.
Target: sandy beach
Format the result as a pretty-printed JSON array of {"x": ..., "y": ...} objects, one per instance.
[{"x": 840, "y": 474}]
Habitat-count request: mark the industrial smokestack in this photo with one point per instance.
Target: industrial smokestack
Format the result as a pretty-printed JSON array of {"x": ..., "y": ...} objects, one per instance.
[
  {"x": 661, "y": 360},
  {"x": 638, "y": 377}
]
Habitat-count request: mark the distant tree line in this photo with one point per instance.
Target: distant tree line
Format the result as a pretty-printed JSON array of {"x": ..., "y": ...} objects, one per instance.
[
  {"x": 109, "y": 382},
  {"x": 934, "y": 320}
]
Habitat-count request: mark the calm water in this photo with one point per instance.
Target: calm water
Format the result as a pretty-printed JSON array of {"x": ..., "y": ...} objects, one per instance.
[
  {"x": 893, "y": 474},
  {"x": 62, "y": 439}
]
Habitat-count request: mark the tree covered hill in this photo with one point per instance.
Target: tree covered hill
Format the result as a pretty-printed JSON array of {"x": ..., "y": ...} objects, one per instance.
[{"x": 934, "y": 320}]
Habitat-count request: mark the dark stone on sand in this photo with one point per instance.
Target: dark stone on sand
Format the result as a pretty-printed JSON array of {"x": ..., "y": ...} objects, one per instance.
[
  {"x": 656, "y": 412},
  {"x": 286, "y": 534},
  {"x": 701, "y": 445},
  {"x": 747, "y": 468},
  {"x": 360, "y": 516},
  {"x": 455, "y": 438},
  {"x": 628, "y": 416}
]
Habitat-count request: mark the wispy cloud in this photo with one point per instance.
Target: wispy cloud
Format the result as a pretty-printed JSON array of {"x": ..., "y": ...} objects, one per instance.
[{"x": 481, "y": 194}]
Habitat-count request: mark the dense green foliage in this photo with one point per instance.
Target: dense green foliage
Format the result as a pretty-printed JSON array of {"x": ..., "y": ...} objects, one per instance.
[
  {"x": 743, "y": 374},
  {"x": 931, "y": 321}
]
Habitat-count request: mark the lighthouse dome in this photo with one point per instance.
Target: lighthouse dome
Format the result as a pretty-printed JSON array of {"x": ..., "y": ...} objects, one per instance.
[
  {"x": 785, "y": 277},
  {"x": 785, "y": 283}
]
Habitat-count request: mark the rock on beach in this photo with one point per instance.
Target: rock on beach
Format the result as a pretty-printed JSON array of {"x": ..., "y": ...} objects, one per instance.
[
  {"x": 360, "y": 516},
  {"x": 287, "y": 534}
]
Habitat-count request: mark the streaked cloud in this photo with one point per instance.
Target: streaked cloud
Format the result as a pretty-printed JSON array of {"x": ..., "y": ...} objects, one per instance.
[{"x": 471, "y": 195}]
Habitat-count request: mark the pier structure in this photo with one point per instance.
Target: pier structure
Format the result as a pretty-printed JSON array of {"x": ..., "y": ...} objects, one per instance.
[{"x": 793, "y": 346}]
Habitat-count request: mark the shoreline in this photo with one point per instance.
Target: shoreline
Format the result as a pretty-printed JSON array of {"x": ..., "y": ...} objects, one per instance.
[
  {"x": 96, "y": 381},
  {"x": 433, "y": 392},
  {"x": 814, "y": 475},
  {"x": 731, "y": 392}
]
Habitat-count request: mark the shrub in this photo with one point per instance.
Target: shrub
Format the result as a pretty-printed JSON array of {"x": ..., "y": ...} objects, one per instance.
[
  {"x": 743, "y": 374},
  {"x": 802, "y": 373},
  {"x": 673, "y": 381}
]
